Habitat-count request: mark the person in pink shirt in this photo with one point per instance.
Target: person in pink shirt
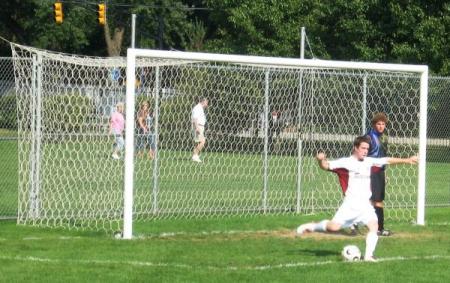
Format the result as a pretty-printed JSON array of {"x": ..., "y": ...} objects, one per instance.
[{"x": 116, "y": 127}]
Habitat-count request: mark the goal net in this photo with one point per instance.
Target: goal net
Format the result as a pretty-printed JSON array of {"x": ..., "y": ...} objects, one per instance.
[{"x": 267, "y": 118}]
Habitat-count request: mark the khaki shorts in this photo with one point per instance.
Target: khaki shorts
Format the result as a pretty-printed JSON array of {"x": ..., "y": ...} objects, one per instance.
[{"x": 199, "y": 136}]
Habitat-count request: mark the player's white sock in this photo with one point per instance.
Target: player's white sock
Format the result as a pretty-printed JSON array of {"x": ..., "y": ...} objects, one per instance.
[
  {"x": 321, "y": 226},
  {"x": 313, "y": 227},
  {"x": 371, "y": 243}
]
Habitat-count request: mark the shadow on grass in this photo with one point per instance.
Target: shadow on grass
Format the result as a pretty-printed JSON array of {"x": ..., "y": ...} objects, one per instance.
[{"x": 313, "y": 252}]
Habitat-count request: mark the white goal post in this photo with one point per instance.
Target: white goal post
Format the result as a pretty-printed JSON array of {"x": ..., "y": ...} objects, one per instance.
[{"x": 133, "y": 54}]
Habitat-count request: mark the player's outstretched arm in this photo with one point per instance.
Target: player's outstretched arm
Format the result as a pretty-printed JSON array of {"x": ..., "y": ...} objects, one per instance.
[
  {"x": 409, "y": 160},
  {"x": 323, "y": 162}
]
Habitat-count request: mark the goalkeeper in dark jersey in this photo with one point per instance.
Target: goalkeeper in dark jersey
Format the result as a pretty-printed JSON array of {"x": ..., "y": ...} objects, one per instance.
[{"x": 378, "y": 148}]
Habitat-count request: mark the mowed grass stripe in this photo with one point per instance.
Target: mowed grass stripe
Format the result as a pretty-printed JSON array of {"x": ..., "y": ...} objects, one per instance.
[{"x": 188, "y": 266}]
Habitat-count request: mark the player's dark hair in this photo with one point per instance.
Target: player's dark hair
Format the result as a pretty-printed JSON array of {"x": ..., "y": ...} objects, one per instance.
[
  {"x": 357, "y": 142},
  {"x": 202, "y": 98},
  {"x": 379, "y": 117}
]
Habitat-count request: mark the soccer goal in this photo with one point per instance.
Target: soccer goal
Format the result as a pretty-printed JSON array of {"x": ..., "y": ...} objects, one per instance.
[{"x": 267, "y": 118}]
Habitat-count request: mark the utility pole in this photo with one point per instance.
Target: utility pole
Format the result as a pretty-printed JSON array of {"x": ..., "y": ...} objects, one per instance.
[
  {"x": 302, "y": 43},
  {"x": 133, "y": 29}
]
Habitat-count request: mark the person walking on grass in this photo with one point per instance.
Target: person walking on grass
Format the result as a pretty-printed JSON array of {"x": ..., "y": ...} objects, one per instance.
[
  {"x": 116, "y": 127},
  {"x": 198, "y": 119},
  {"x": 356, "y": 206},
  {"x": 146, "y": 136}
]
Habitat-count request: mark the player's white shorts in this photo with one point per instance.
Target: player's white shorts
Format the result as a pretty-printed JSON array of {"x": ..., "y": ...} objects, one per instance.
[
  {"x": 199, "y": 136},
  {"x": 349, "y": 213}
]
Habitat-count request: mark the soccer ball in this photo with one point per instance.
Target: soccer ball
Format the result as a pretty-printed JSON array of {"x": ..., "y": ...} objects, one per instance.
[
  {"x": 118, "y": 234},
  {"x": 351, "y": 253}
]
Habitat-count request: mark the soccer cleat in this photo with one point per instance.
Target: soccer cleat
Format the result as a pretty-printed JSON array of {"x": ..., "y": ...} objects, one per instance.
[
  {"x": 115, "y": 156},
  {"x": 196, "y": 158},
  {"x": 384, "y": 233},
  {"x": 305, "y": 228},
  {"x": 354, "y": 230},
  {"x": 370, "y": 259}
]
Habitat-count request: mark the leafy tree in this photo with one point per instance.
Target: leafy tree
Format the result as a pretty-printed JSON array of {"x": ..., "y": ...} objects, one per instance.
[
  {"x": 196, "y": 36},
  {"x": 259, "y": 27},
  {"x": 412, "y": 31},
  {"x": 421, "y": 33},
  {"x": 30, "y": 22},
  {"x": 162, "y": 24},
  {"x": 407, "y": 31},
  {"x": 12, "y": 21}
]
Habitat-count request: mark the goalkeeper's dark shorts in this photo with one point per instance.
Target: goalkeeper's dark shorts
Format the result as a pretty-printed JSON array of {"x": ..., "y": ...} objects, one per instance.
[{"x": 378, "y": 185}]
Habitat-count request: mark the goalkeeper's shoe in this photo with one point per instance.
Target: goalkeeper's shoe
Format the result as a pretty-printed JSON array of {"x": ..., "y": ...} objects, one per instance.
[
  {"x": 384, "y": 233},
  {"x": 308, "y": 227}
]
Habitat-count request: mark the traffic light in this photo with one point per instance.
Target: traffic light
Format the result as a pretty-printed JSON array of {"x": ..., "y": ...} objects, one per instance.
[
  {"x": 58, "y": 10},
  {"x": 101, "y": 11}
]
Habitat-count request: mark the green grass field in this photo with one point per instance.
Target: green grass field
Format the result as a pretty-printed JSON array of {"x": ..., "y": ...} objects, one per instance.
[
  {"x": 257, "y": 248},
  {"x": 248, "y": 249},
  {"x": 8, "y": 178}
]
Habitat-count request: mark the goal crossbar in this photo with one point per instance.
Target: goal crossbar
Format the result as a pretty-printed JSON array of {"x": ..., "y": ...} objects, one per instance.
[{"x": 275, "y": 61}]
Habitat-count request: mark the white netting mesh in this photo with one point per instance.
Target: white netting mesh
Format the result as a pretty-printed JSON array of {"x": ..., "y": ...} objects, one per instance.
[
  {"x": 252, "y": 163},
  {"x": 64, "y": 104},
  {"x": 340, "y": 107},
  {"x": 8, "y": 144}
]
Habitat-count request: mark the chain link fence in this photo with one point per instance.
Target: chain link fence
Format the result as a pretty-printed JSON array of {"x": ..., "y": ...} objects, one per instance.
[
  {"x": 8, "y": 141},
  {"x": 438, "y": 155},
  {"x": 438, "y": 144}
]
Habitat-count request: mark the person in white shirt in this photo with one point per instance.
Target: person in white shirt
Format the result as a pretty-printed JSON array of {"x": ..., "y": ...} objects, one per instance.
[
  {"x": 198, "y": 119},
  {"x": 354, "y": 174}
]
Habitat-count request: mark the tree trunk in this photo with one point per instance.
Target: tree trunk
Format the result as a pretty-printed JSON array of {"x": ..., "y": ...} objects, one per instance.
[{"x": 114, "y": 43}]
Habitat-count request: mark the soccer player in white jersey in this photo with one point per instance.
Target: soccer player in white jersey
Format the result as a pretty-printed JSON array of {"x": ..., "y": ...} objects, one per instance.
[
  {"x": 355, "y": 181},
  {"x": 198, "y": 119}
]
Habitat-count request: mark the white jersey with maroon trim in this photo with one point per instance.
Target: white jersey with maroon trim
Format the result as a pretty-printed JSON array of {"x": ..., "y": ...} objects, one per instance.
[{"x": 354, "y": 176}]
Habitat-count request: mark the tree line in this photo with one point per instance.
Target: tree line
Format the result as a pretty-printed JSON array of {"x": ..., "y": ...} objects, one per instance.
[{"x": 394, "y": 31}]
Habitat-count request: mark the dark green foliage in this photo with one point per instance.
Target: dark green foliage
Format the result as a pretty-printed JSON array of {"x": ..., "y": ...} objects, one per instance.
[
  {"x": 8, "y": 112},
  {"x": 384, "y": 31},
  {"x": 174, "y": 123},
  {"x": 438, "y": 109},
  {"x": 67, "y": 113}
]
